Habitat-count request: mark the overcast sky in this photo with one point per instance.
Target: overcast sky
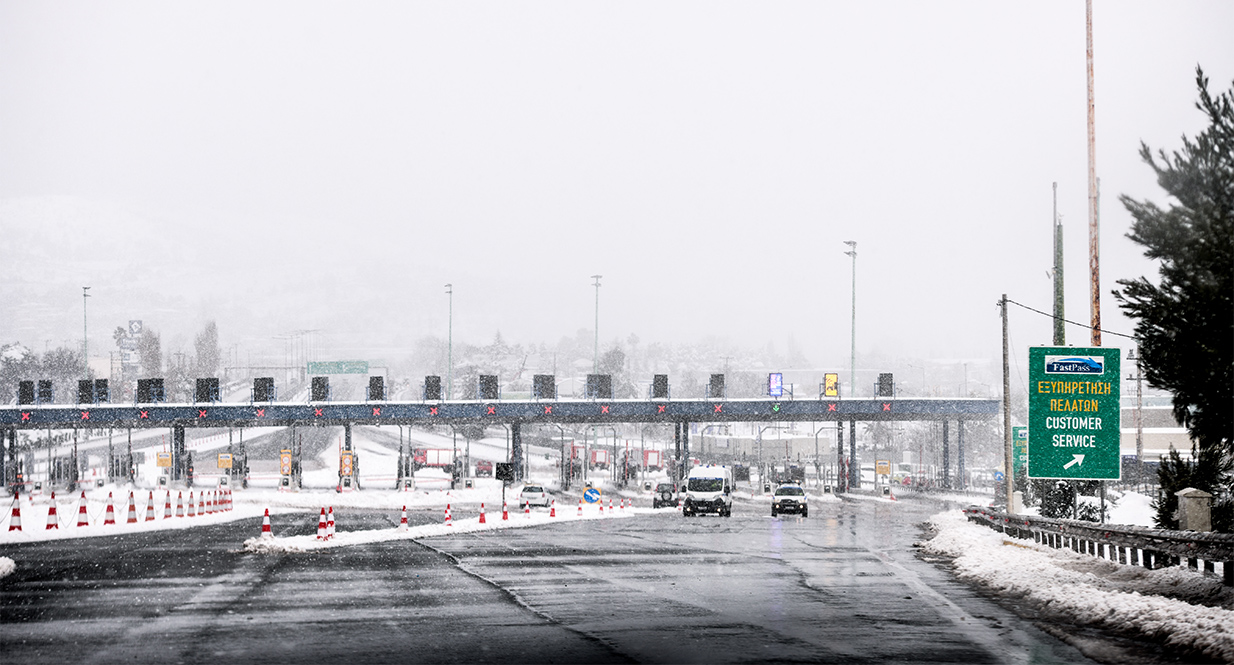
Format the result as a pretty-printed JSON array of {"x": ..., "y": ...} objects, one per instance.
[{"x": 332, "y": 165}]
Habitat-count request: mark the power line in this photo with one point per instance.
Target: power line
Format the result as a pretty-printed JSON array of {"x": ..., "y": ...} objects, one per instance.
[{"x": 1082, "y": 325}]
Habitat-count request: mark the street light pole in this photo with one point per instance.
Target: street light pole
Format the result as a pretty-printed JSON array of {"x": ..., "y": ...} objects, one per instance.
[
  {"x": 450, "y": 345},
  {"x": 852, "y": 362},
  {"x": 595, "y": 357},
  {"x": 85, "y": 338}
]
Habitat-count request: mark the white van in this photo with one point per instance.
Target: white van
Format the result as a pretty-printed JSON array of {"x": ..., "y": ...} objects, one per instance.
[{"x": 709, "y": 489}]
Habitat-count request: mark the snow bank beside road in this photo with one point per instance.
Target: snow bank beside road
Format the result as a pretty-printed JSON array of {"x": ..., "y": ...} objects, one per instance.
[
  {"x": 492, "y": 523},
  {"x": 1091, "y": 590},
  {"x": 7, "y": 566}
]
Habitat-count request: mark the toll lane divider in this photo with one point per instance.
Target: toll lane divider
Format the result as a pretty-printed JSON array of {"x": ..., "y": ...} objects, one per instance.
[{"x": 276, "y": 545}]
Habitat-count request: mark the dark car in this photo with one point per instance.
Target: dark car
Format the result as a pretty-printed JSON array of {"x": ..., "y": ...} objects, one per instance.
[
  {"x": 663, "y": 496},
  {"x": 790, "y": 499}
]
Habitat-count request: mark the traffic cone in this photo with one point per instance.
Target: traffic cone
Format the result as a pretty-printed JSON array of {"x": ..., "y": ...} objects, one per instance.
[
  {"x": 110, "y": 516},
  {"x": 229, "y": 499},
  {"x": 448, "y": 515},
  {"x": 265, "y": 525},
  {"x": 192, "y": 506},
  {"x": 678, "y": 505},
  {"x": 132, "y": 519},
  {"x": 53, "y": 520},
  {"x": 580, "y": 507},
  {"x": 321, "y": 526},
  {"x": 167, "y": 506},
  {"x": 610, "y": 505},
  {"x": 527, "y": 509},
  {"x": 402, "y": 523},
  {"x": 330, "y": 524},
  {"x": 150, "y": 507},
  {"x": 505, "y": 514},
  {"x": 201, "y": 503},
  {"x": 209, "y": 498},
  {"x": 601, "y": 504},
  {"x": 552, "y": 511},
  {"x": 15, "y": 522},
  {"x": 179, "y": 503},
  {"x": 482, "y": 520},
  {"x": 82, "y": 518}
]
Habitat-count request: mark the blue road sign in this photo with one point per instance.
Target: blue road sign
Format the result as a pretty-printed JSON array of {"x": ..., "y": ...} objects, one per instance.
[
  {"x": 592, "y": 495},
  {"x": 998, "y": 476}
]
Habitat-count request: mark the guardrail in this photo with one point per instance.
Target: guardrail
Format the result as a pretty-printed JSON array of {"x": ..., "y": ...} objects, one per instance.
[{"x": 1151, "y": 548}]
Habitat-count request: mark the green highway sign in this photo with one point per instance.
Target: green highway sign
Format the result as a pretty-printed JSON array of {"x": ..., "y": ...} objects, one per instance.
[
  {"x": 338, "y": 367},
  {"x": 1073, "y": 413},
  {"x": 1019, "y": 450}
]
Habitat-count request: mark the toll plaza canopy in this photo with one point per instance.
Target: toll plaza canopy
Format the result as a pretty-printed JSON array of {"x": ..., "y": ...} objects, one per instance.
[{"x": 219, "y": 414}]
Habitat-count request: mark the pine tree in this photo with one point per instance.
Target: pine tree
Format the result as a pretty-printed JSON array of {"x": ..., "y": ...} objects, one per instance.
[{"x": 1184, "y": 323}]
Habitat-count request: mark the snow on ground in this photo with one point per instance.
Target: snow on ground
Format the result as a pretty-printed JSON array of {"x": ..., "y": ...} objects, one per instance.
[
  {"x": 1133, "y": 509},
  {"x": 7, "y": 566},
  {"x": 492, "y": 522},
  {"x": 1093, "y": 591}
]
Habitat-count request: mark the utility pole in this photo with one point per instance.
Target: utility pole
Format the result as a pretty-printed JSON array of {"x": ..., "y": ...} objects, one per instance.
[
  {"x": 1060, "y": 327},
  {"x": 1094, "y": 227},
  {"x": 85, "y": 338},
  {"x": 595, "y": 358},
  {"x": 852, "y": 359},
  {"x": 1007, "y": 460},
  {"x": 450, "y": 346},
  {"x": 1139, "y": 417}
]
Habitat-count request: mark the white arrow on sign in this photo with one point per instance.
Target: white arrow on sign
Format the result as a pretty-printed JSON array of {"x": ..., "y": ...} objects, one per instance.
[{"x": 1076, "y": 460}]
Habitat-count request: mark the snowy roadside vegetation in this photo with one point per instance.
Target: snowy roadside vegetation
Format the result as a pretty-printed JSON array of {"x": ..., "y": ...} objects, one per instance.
[{"x": 1182, "y": 608}]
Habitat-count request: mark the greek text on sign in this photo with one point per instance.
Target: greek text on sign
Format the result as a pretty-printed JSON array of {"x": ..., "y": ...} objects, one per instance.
[
  {"x": 882, "y": 467},
  {"x": 163, "y": 459},
  {"x": 1073, "y": 411},
  {"x": 224, "y": 460}
]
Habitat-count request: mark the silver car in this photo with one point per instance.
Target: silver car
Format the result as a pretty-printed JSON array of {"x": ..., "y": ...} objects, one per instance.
[{"x": 533, "y": 495}]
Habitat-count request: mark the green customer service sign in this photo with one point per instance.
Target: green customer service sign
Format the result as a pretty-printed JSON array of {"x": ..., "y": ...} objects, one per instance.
[
  {"x": 1073, "y": 413},
  {"x": 1019, "y": 449}
]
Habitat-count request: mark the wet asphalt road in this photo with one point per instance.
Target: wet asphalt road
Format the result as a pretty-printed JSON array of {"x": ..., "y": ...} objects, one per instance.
[{"x": 844, "y": 585}]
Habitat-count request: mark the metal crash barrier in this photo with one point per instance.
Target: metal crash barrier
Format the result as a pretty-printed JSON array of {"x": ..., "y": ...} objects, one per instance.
[{"x": 1151, "y": 548}]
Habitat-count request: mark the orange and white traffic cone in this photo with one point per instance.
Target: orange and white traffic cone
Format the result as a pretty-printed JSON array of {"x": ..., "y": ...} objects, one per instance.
[
  {"x": 610, "y": 505},
  {"x": 265, "y": 525},
  {"x": 192, "y": 506},
  {"x": 201, "y": 503},
  {"x": 179, "y": 503},
  {"x": 580, "y": 507},
  {"x": 601, "y": 504},
  {"x": 552, "y": 511},
  {"x": 505, "y": 513},
  {"x": 132, "y": 518},
  {"x": 110, "y": 516},
  {"x": 402, "y": 523},
  {"x": 53, "y": 520},
  {"x": 167, "y": 506},
  {"x": 448, "y": 520},
  {"x": 678, "y": 505},
  {"x": 482, "y": 520},
  {"x": 83, "y": 519},
  {"x": 527, "y": 509},
  {"x": 15, "y": 521},
  {"x": 322, "y": 533},
  {"x": 229, "y": 499},
  {"x": 330, "y": 523}
]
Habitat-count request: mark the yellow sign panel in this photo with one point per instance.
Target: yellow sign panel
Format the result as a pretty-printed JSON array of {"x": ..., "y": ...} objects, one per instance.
[
  {"x": 285, "y": 462},
  {"x": 831, "y": 385},
  {"x": 164, "y": 459},
  {"x": 345, "y": 464},
  {"x": 224, "y": 460},
  {"x": 882, "y": 467}
]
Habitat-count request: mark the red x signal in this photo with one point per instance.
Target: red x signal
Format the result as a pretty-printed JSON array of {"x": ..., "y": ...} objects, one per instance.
[
  {"x": 143, "y": 414},
  {"x": 85, "y": 415},
  {"x": 25, "y": 416},
  {"x": 604, "y": 409},
  {"x": 492, "y": 410},
  {"x": 831, "y": 407},
  {"x": 661, "y": 409},
  {"x": 261, "y": 413},
  {"x": 718, "y": 407},
  {"x": 432, "y": 411},
  {"x": 886, "y": 406},
  {"x": 201, "y": 413},
  {"x": 548, "y": 410},
  {"x": 376, "y": 411},
  {"x": 317, "y": 412}
]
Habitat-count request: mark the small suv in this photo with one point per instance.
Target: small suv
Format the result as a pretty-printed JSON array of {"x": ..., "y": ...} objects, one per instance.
[
  {"x": 790, "y": 499},
  {"x": 663, "y": 496}
]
